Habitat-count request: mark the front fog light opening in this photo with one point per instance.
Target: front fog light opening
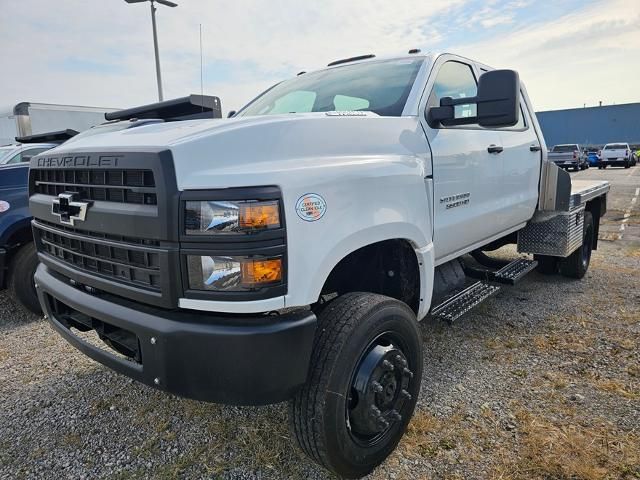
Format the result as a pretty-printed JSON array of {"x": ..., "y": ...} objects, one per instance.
[{"x": 233, "y": 273}]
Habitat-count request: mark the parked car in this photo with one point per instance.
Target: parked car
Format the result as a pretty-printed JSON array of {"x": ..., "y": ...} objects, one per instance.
[
  {"x": 615, "y": 154},
  {"x": 19, "y": 152},
  {"x": 593, "y": 158},
  {"x": 288, "y": 252},
  {"x": 18, "y": 258},
  {"x": 569, "y": 156}
]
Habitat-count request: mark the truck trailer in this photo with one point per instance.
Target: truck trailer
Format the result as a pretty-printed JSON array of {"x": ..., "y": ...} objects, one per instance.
[
  {"x": 289, "y": 252},
  {"x": 30, "y": 118}
]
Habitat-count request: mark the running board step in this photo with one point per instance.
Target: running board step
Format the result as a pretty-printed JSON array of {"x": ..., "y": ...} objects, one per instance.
[
  {"x": 462, "y": 302},
  {"x": 513, "y": 272}
]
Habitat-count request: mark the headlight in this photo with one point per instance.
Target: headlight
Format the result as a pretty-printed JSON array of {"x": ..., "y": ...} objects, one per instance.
[
  {"x": 216, "y": 216},
  {"x": 233, "y": 273}
]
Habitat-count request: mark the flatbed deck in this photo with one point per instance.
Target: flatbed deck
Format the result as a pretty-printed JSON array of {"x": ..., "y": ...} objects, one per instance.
[{"x": 584, "y": 190}]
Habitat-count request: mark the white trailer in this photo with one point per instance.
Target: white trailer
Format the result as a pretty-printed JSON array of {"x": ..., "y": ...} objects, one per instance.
[{"x": 30, "y": 118}]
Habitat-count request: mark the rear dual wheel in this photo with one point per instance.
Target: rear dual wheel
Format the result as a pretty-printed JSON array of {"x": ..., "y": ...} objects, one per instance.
[
  {"x": 363, "y": 383},
  {"x": 577, "y": 264}
]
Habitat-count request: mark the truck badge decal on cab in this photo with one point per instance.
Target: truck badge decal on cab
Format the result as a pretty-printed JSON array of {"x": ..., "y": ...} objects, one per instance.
[
  {"x": 311, "y": 207},
  {"x": 457, "y": 200}
]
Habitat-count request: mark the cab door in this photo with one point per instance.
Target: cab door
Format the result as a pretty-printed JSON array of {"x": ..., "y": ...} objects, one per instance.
[
  {"x": 467, "y": 165},
  {"x": 522, "y": 160}
]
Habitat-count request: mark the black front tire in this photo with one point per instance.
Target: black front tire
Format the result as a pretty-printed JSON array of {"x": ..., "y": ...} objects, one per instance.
[
  {"x": 20, "y": 283},
  {"x": 577, "y": 264},
  {"x": 336, "y": 416}
]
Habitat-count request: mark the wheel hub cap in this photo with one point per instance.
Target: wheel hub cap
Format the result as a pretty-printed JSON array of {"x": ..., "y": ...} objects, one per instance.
[{"x": 379, "y": 391}]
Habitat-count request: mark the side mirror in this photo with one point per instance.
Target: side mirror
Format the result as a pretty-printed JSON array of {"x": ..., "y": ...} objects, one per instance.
[
  {"x": 231, "y": 113},
  {"x": 497, "y": 103}
]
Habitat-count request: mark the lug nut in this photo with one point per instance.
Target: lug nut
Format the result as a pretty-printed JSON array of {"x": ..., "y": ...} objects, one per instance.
[
  {"x": 395, "y": 415},
  {"x": 406, "y": 394},
  {"x": 374, "y": 411},
  {"x": 383, "y": 423},
  {"x": 387, "y": 365},
  {"x": 408, "y": 372},
  {"x": 376, "y": 387},
  {"x": 401, "y": 360}
]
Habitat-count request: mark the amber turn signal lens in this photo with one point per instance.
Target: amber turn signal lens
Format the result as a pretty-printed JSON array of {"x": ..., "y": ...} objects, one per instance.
[
  {"x": 259, "y": 215},
  {"x": 261, "y": 272}
]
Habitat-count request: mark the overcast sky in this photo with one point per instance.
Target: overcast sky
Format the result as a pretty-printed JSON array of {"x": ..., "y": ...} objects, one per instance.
[{"x": 100, "y": 52}]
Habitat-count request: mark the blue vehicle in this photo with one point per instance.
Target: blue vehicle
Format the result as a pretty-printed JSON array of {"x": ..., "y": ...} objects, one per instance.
[
  {"x": 18, "y": 257},
  {"x": 593, "y": 158}
]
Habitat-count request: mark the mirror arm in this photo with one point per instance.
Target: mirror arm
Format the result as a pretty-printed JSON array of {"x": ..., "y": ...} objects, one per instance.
[
  {"x": 448, "y": 101},
  {"x": 445, "y": 113}
]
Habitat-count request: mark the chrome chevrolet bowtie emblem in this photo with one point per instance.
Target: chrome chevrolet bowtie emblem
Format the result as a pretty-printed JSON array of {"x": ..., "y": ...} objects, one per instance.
[{"x": 68, "y": 209}]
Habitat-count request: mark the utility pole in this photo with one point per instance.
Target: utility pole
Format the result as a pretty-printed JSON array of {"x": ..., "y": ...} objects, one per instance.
[
  {"x": 155, "y": 48},
  {"x": 155, "y": 37}
]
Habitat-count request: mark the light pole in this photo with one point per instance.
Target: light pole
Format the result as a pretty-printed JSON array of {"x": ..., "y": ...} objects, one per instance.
[{"x": 155, "y": 36}]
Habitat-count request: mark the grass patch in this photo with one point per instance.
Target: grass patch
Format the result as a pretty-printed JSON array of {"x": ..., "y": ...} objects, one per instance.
[
  {"x": 548, "y": 450},
  {"x": 72, "y": 440},
  {"x": 557, "y": 380},
  {"x": 618, "y": 388}
]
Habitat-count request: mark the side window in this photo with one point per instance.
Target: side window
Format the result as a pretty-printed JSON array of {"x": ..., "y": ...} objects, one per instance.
[
  {"x": 17, "y": 158},
  {"x": 27, "y": 154},
  {"x": 455, "y": 80},
  {"x": 522, "y": 122}
]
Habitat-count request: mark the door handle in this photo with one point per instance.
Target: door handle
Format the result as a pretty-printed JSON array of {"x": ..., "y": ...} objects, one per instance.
[
  {"x": 494, "y": 149},
  {"x": 535, "y": 148}
]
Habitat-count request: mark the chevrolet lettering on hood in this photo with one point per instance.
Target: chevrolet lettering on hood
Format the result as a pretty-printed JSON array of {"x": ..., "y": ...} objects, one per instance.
[{"x": 79, "y": 161}]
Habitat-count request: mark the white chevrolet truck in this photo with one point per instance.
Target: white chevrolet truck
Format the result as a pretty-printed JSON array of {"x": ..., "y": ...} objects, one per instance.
[{"x": 289, "y": 252}]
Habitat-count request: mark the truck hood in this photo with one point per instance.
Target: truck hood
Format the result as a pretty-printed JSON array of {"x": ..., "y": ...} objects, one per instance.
[{"x": 232, "y": 152}]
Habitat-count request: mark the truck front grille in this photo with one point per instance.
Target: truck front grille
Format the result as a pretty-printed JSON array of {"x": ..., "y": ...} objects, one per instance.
[
  {"x": 114, "y": 185},
  {"x": 137, "y": 265}
]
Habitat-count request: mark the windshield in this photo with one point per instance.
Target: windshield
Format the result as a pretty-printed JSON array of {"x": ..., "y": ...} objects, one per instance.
[
  {"x": 616, "y": 146},
  {"x": 380, "y": 87},
  {"x": 565, "y": 148}
]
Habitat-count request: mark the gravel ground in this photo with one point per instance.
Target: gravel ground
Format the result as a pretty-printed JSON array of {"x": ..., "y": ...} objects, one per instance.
[{"x": 541, "y": 381}]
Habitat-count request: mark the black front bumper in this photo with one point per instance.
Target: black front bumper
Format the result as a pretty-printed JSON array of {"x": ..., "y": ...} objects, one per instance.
[{"x": 231, "y": 359}]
